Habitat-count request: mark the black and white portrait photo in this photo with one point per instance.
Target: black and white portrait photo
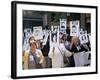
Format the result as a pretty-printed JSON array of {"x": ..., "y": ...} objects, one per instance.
[
  {"x": 83, "y": 37},
  {"x": 74, "y": 28},
  {"x": 63, "y": 24}
]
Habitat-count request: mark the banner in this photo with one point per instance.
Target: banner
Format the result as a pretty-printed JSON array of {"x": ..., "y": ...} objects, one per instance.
[{"x": 82, "y": 58}]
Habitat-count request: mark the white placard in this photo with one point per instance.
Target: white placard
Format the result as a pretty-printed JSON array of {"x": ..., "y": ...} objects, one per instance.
[
  {"x": 83, "y": 37},
  {"x": 54, "y": 36},
  {"x": 74, "y": 28},
  {"x": 27, "y": 32},
  {"x": 82, "y": 58},
  {"x": 63, "y": 24},
  {"x": 81, "y": 31},
  {"x": 37, "y": 32},
  {"x": 25, "y": 44}
]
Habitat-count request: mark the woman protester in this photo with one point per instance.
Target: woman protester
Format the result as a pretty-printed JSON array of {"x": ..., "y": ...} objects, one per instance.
[
  {"x": 33, "y": 58},
  {"x": 76, "y": 47},
  {"x": 57, "y": 53}
]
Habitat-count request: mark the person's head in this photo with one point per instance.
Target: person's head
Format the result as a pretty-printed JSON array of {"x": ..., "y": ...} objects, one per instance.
[
  {"x": 32, "y": 43},
  {"x": 74, "y": 40},
  {"x": 63, "y": 38}
]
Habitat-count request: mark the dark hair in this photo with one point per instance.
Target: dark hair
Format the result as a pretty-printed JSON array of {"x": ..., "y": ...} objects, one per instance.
[{"x": 63, "y": 37}]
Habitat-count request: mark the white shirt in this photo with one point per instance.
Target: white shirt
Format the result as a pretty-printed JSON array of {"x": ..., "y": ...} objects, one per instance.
[{"x": 57, "y": 57}]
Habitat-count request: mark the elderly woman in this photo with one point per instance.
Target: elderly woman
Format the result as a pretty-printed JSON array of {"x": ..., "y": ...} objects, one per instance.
[
  {"x": 33, "y": 58},
  {"x": 76, "y": 47}
]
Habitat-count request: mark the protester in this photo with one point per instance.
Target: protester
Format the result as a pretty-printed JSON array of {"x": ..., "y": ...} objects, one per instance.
[
  {"x": 33, "y": 58},
  {"x": 76, "y": 47},
  {"x": 57, "y": 53},
  {"x": 45, "y": 51}
]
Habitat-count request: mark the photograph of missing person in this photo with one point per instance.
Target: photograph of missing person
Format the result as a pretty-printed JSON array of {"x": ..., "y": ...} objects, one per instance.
[
  {"x": 38, "y": 33},
  {"x": 83, "y": 36},
  {"x": 63, "y": 24},
  {"x": 54, "y": 37},
  {"x": 74, "y": 28}
]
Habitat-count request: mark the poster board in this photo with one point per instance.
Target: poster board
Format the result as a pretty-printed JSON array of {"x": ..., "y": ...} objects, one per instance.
[
  {"x": 83, "y": 37},
  {"x": 82, "y": 58},
  {"x": 74, "y": 28},
  {"x": 63, "y": 24},
  {"x": 54, "y": 36},
  {"x": 37, "y": 32}
]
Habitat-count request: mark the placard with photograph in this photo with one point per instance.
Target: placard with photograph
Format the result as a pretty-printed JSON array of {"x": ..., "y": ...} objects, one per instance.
[
  {"x": 74, "y": 28},
  {"x": 63, "y": 24},
  {"x": 83, "y": 37},
  {"x": 37, "y": 31},
  {"x": 54, "y": 36}
]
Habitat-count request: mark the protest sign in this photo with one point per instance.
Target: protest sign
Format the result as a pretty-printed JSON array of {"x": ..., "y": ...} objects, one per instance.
[
  {"x": 37, "y": 32},
  {"x": 74, "y": 28},
  {"x": 63, "y": 24}
]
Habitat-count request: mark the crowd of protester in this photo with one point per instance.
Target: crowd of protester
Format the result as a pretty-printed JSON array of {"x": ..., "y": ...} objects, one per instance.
[{"x": 44, "y": 56}]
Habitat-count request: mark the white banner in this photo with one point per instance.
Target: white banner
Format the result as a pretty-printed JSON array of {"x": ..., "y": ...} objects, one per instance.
[{"x": 82, "y": 58}]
